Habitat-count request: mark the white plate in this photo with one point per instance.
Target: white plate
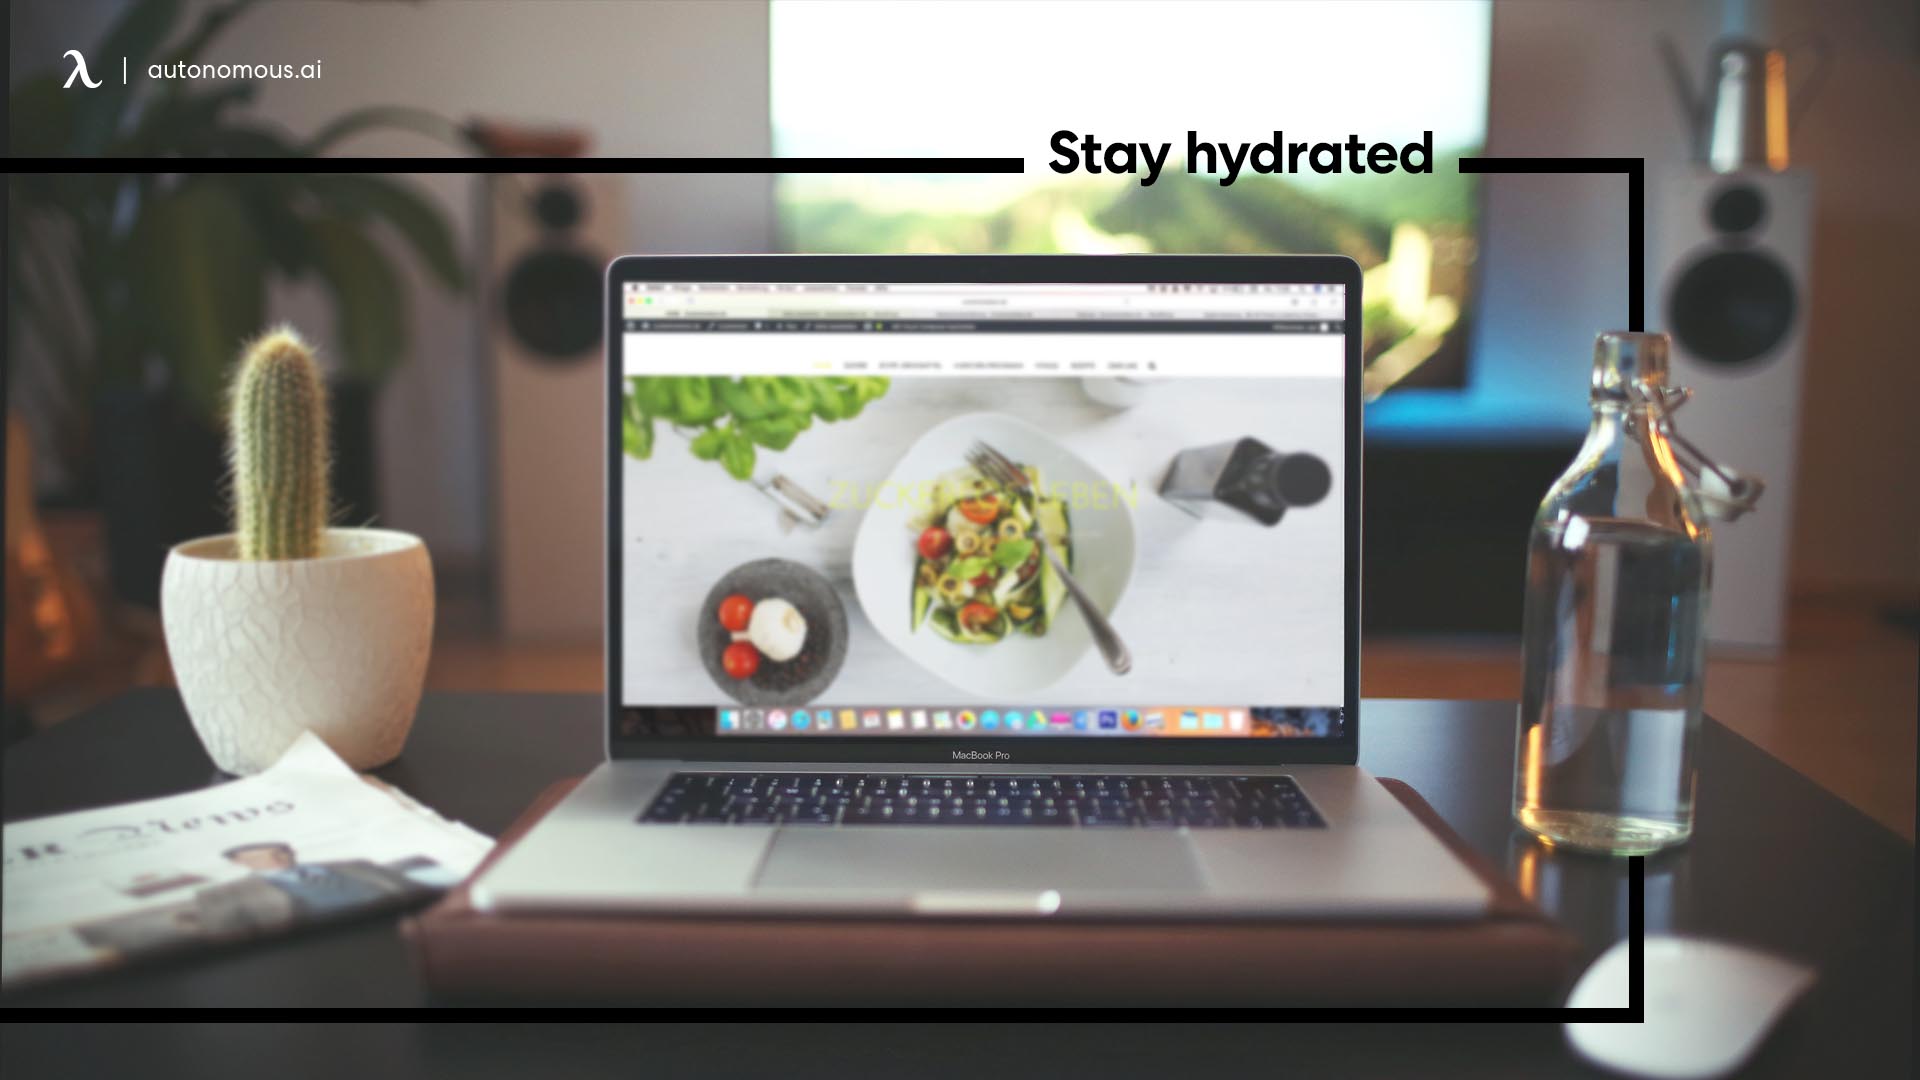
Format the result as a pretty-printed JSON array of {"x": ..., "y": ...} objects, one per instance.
[{"x": 1101, "y": 535}]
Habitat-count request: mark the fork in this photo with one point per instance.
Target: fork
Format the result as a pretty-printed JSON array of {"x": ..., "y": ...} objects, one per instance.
[{"x": 999, "y": 468}]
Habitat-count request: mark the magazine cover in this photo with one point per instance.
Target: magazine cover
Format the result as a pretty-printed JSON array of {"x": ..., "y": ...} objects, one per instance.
[{"x": 306, "y": 842}]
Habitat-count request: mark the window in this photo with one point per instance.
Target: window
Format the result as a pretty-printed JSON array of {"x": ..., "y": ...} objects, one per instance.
[{"x": 935, "y": 78}]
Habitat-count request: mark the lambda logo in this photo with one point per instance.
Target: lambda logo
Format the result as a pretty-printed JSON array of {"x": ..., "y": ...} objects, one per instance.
[{"x": 79, "y": 71}]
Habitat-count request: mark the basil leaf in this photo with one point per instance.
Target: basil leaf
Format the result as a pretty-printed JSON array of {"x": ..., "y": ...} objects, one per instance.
[
  {"x": 706, "y": 445},
  {"x": 748, "y": 398},
  {"x": 968, "y": 569},
  {"x": 828, "y": 405},
  {"x": 775, "y": 433},
  {"x": 693, "y": 401},
  {"x": 1012, "y": 553},
  {"x": 792, "y": 394},
  {"x": 655, "y": 394},
  {"x": 846, "y": 393},
  {"x": 637, "y": 432},
  {"x": 737, "y": 455}
]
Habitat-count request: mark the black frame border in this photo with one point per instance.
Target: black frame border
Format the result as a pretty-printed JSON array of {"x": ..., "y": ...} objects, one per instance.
[{"x": 1633, "y": 168}]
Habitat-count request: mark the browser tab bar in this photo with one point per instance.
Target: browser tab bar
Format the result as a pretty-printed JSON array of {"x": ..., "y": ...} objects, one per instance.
[{"x": 817, "y": 300}]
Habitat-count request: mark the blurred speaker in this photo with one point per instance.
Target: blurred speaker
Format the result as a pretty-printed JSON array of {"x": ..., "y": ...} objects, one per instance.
[
  {"x": 1729, "y": 256},
  {"x": 548, "y": 240}
]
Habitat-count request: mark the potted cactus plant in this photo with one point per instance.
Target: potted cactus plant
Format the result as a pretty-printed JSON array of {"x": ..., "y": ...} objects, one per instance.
[{"x": 287, "y": 625}]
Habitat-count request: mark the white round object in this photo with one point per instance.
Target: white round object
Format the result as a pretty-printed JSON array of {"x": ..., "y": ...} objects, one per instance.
[
  {"x": 777, "y": 629},
  {"x": 1116, "y": 391},
  {"x": 1709, "y": 1005},
  {"x": 336, "y": 645}
]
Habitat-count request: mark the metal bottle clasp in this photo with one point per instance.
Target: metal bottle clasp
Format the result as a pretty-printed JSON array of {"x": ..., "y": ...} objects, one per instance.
[{"x": 1725, "y": 493}]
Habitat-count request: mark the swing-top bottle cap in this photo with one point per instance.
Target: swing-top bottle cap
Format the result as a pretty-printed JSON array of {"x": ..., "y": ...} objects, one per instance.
[{"x": 1622, "y": 358}]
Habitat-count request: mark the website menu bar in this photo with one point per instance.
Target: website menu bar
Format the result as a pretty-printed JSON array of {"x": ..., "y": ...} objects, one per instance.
[{"x": 1112, "y": 354}]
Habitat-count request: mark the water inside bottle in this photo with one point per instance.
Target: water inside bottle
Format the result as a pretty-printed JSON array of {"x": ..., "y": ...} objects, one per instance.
[{"x": 1611, "y": 708}]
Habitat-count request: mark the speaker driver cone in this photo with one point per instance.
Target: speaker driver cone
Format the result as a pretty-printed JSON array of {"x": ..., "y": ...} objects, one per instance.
[
  {"x": 1731, "y": 308},
  {"x": 551, "y": 300},
  {"x": 1737, "y": 209}
]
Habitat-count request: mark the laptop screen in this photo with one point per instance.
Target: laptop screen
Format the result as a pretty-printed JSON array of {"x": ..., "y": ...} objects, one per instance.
[{"x": 981, "y": 512}]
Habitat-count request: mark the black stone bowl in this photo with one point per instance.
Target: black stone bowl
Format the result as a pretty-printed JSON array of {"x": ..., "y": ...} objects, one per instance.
[{"x": 801, "y": 679}]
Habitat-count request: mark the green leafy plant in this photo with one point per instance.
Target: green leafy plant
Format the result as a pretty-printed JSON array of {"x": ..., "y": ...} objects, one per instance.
[
  {"x": 733, "y": 416},
  {"x": 111, "y": 272},
  {"x": 278, "y": 443}
]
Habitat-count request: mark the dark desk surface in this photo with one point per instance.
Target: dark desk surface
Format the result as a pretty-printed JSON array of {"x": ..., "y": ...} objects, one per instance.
[{"x": 1775, "y": 861}]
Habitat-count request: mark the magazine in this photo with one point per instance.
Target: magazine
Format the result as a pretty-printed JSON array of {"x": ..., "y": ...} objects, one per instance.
[{"x": 307, "y": 841}]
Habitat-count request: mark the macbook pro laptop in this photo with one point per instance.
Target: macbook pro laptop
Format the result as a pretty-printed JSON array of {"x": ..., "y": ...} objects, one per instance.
[{"x": 983, "y": 586}]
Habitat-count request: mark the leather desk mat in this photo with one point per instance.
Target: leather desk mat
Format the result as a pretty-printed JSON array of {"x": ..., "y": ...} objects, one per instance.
[{"x": 1513, "y": 956}]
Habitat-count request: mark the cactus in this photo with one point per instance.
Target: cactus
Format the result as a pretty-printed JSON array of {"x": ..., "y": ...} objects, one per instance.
[{"x": 278, "y": 446}]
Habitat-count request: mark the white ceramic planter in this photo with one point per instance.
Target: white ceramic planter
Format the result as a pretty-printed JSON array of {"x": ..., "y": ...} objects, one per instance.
[{"x": 335, "y": 645}]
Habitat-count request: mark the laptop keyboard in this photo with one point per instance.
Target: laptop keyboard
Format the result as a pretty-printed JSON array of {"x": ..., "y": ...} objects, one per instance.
[{"x": 1094, "y": 800}]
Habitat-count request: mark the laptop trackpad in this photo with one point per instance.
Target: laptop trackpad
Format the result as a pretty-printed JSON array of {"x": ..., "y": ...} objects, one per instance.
[{"x": 904, "y": 858}]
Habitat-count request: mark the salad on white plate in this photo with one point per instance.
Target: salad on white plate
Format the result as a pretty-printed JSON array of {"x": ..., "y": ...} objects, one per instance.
[
  {"x": 981, "y": 574},
  {"x": 975, "y": 603}
]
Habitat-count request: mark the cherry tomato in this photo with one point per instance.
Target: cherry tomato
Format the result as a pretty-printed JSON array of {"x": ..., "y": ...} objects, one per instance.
[
  {"x": 741, "y": 660},
  {"x": 735, "y": 612},
  {"x": 935, "y": 542},
  {"x": 982, "y": 510},
  {"x": 977, "y": 615}
]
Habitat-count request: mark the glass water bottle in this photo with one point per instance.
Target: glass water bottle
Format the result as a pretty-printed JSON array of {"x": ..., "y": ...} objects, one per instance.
[{"x": 1618, "y": 567}]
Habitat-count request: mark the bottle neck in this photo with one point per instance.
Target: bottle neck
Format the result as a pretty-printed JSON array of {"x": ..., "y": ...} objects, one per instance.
[
  {"x": 1639, "y": 476},
  {"x": 1618, "y": 426}
]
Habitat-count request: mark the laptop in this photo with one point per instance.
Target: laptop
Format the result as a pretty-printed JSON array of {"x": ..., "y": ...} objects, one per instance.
[{"x": 983, "y": 586}]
